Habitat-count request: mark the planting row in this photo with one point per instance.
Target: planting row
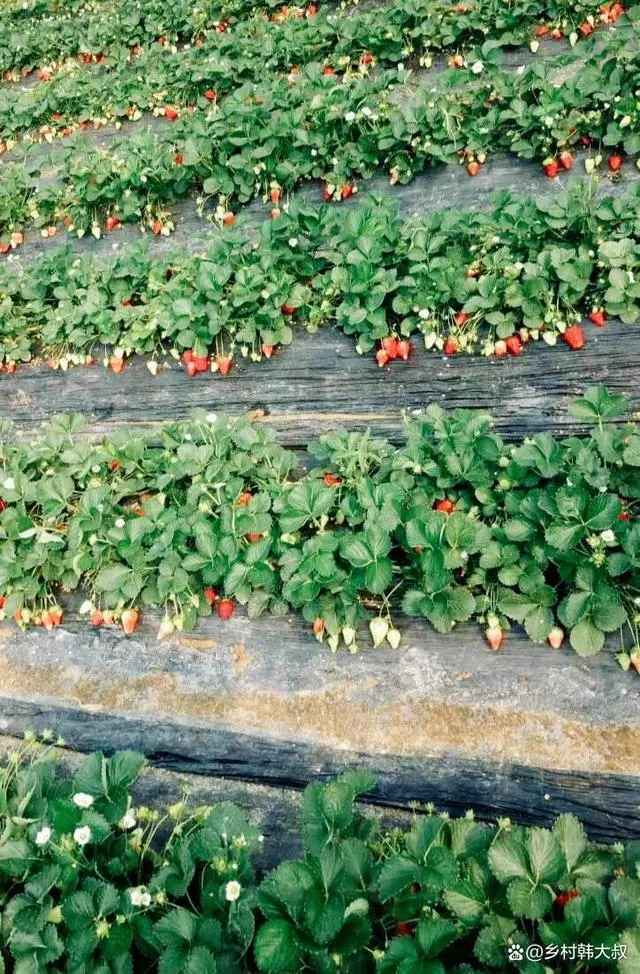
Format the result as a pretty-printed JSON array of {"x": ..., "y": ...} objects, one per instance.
[
  {"x": 155, "y": 75},
  {"x": 492, "y": 282},
  {"x": 454, "y": 525},
  {"x": 91, "y": 881},
  {"x": 42, "y": 31},
  {"x": 313, "y": 125}
]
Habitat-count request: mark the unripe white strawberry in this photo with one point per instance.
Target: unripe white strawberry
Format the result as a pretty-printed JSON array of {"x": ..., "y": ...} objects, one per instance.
[
  {"x": 166, "y": 628},
  {"x": 379, "y": 629},
  {"x": 393, "y": 638},
  {"x": 556, "y": 637},
  {"x": 348, "y": 634}
]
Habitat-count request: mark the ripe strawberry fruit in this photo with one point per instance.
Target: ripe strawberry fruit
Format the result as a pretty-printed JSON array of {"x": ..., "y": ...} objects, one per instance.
[
  {"x": 130, "y": 619},
  {"x": 494, "y": 636},
  {"x": 210, "y": 94},
  {"x": 574, "y": 337},
  {"x": 116, "y": 364},
  {"x": 228, "y": 219},
  {"x": 404, "y": 348},
  {"x": 96, "y": 618},
  {"x": 287, "y": 309},
  {"x": 224, "y": 363},
  {"x": 563, "y": 898},
  {"x": 403, "y": 929},
  {"x": 382, "y": 357},
  {"x": 615, "y": 162},
  {"x": 451, "y": 346},
  {"x": 514, "y": 345},
  {"x": 331, "y": 480},
  {"x": 586, "y": 28},
  {"x": 566, "y": 159},
  {"x": 171, "y": 114},
  {"x": 473, "y": 168},
  {"x": 156, "y": 228},
  {"x": 346, "y": 191},
  {"x": 500, "y": 348},
  {"x": 201, "y": 363},
  {"x": 599, "y": 318},
  {"x": 318, "y": 626},
  {"x": 445, "y": 506},
  {"x": 390, "y": 346},
  {"x": 226, "y": 608},
  {"x": 112, "y": 222},
  {"x": 461, "y": 318},
  {"x": 274, "y": 194},
  {"x": 244, "y": 499},
  {"x": 267, "y": 350},
  {"x": 210, "y": 595},
  {"x": 551, "y": 168},
  {"x": 275, "y": 213}
]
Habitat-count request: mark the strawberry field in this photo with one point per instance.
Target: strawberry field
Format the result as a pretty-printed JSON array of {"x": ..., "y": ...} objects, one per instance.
[{"x": 320, "y": 442}]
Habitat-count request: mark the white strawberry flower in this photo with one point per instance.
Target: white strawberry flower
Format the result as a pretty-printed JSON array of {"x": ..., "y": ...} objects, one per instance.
[
  {"x": 43, "y": 836},
  {"x": 608, "y": 536},
  {"x": 477, "y": 67},
  {"x": 139, "y": 896},
  {"x": 120, "y": 522},
  {"x": 128, "y": 821},
  {"x": 9, "y": 484},
  {"x": 232, "y": 890},
  {"x": 82, "y": 836},
  {"x": 82, "y": 800}
]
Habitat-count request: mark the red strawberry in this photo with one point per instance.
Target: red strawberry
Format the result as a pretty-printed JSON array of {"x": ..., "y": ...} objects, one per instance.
[
  {"x": 318, "y": 626},
  {"x": 287, "y": 309},
  {"x": 224, "y": 363},
  {"x": 328, "y": 69},
  {"x": 244, "y": 499},
  {"x": 210, "y": 94},
  {"x": 615, "y": 162},
  {"x": 542, "y": 31},
  {"x": 599, "y": 318},
  {"x": 586, "y": 28},
  {"x": 494, "y": 636},
  {"x": 56, "y": 616},
  {"x": 622, "y": 516},
  {"x": 156, "y": 228},
  {"x": 171, "y": 114},
  {"x": 445, "y": 506},
  {"x": 187, "y": 356},
  {"x": 566, "y": 159},
  {"x": 1, "y": 601},
  {"x": 404, "y": 348},
  {"x": 500, "y": 348},
  {"x": 382, "y": 357},
  {"x": 268, "y": 350},
  {"x": 178, "y": 159},
  {"x": 366, "y": 58},
  {"x": 461, "y": 319},
  {"x": 253, "y": 536},
  {"x": 514, "y": 345},
  {"x": 112, "y": 222},
  {"x": 562, "y": 899},
  {"x": 574, "y": 337},
  {"x": 130, "y": 619},
  {"x": 556, "y": 34},
  {"x": 451, "y": 346},
  {"x": 201, "y": 362},
  {"x": 210, "y": 595},
  {"x": 113, "y": 465},
  {"x": 390, "y": 345},
  {"x": 331, "y": 480},
  {"x": 274, "y": 194},
  {"x": 116, "y": 364},
  {"x": 226, "y": 608},
  {"x": 190, "y": 368},
  {"x": 327, "y": 194},
  {"x": 473, "y": 168},
  {"x": 346, "y": 191},
  {"x": 403, "y": 929},
  {"x": 551, "y": 168},
  {"x": 228, "y": 219}
]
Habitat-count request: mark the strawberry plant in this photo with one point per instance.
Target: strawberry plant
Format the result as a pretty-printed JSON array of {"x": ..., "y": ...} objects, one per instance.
[
  {"x": 90, "y": 878},
  {"x": 452, "y": 526}
]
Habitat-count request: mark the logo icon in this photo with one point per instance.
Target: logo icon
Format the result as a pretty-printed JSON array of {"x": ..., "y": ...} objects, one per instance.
[{"x": 515, "y": 952}]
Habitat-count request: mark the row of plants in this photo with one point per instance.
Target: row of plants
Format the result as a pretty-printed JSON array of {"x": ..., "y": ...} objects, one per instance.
[
  {"x": 91, "y": 881},
  {"x": 454, "y": 525},
  {"x": 269, "y": 137},
  {"x": 153, "y": 76},
  {"x": 40, "y": 33},
  {"x": 110, "y": 32},
  {"x": 492, "y": 281}
]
